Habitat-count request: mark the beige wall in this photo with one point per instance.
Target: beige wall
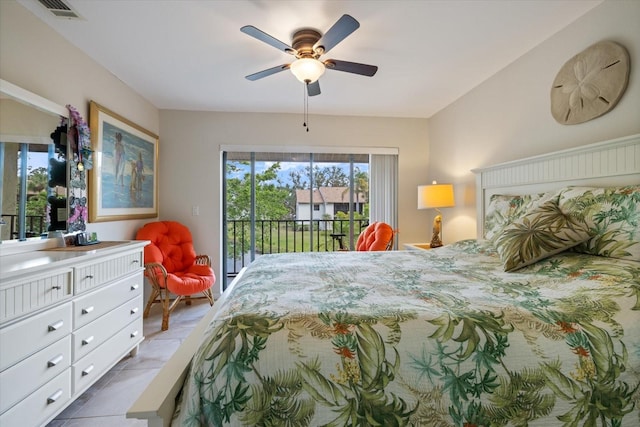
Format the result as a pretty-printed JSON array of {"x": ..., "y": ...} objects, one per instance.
[
  {"x": 190, "y": 160},
  {"x": 508, "y": 116},
  {"x": 38, "y": 59}
]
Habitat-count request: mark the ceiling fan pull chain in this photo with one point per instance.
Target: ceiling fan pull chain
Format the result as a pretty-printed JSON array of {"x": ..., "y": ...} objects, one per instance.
[
  {"x": 304, "y": 109},
  {"x": 305, "y": 103}
]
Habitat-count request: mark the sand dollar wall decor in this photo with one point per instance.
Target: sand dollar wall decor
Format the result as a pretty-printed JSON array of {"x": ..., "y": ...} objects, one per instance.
[{"x": 590, "y": 84}]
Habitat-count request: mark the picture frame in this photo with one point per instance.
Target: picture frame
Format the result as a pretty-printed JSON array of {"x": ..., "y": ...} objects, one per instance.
[{"x": 123, "y": 183}]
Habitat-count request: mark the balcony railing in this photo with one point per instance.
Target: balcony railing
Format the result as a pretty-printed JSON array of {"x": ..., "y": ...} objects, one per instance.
[
  {"x": 284, "y": 236},
  {"x": 35, "y": 225}
]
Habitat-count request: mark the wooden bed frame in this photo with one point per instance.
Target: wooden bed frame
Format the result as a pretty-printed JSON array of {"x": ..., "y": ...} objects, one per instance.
[{"x": 610, "y": 163}]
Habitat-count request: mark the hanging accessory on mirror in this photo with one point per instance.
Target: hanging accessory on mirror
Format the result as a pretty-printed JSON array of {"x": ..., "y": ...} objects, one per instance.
[
  {"x": 79, "y": 140},
  {"x": 77, "y": 221},
  {"x": 56, "y": 212},
  {"x": 59, "y": 138}
]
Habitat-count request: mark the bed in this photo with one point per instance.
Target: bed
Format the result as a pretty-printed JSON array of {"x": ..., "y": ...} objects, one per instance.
[{"x": 495, "y": 331}]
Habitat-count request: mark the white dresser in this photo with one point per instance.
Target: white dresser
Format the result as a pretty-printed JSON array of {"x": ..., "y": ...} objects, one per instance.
[{"x": 66, "y": 318}]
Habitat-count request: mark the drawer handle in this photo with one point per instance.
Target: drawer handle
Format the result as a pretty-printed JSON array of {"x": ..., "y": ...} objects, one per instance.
[
  {"x": 134, "y": 287},
  {"x": 89, "y": 276},
  {"x": 56, "y": 326},
  {"x": 135, "y": 261},
  {"x": 134, "y": 334},
  {"x": 57, "y": 287},
  {"x": 87, "y": 341},
  {"x": 134, "y": 310},
  {"x": 55, "y": 396},
  {"x": 87, "y": 371},
  {"x": 87, "y": 310},
  {"x": 53, "y": 362}
]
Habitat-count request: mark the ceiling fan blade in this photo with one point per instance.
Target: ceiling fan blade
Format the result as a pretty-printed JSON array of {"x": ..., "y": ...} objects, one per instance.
[
  {"x": 338, "y": 32},
  {"x": 267, "y": 72},
  {"x": 313, "y": 89},
  {"x": 266, "y": 38},
  {"x": 351, "y": 67}
]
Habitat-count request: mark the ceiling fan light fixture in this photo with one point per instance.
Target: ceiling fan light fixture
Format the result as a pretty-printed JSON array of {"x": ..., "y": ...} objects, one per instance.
[{"x": 307, "y": 70}]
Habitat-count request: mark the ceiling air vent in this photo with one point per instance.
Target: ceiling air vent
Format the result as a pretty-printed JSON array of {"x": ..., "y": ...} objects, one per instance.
[{"x": 59, "y": 8}]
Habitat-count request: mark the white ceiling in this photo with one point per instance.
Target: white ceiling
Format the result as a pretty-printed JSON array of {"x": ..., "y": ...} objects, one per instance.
[{"x": 191, "y": 55}]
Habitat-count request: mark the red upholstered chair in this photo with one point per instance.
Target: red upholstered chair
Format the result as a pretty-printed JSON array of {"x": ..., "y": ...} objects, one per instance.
[
  {"x": 378, "y": 236},
  {"x": 172, "y": 266}
]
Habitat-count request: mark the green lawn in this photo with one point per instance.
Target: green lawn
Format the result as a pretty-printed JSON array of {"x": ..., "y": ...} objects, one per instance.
[{"x": 298, "y": 241}]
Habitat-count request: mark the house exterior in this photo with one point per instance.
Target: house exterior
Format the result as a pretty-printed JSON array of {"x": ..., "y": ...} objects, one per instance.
[{"x": 327, "y": 201}]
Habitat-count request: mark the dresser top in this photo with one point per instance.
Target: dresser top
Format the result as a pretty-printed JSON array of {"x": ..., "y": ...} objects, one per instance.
[{"x": 28, "y": 263}]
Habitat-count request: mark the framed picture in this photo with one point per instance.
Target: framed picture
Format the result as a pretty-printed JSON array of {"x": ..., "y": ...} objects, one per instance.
[{"x": 123, "y": 183}]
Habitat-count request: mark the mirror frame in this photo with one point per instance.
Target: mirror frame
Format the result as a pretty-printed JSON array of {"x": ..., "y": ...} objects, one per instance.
[{"x": 36, "y": 101}]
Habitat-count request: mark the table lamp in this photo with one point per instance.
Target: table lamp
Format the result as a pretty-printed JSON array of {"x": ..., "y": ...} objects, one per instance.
[{"x": 436, "y": 196}]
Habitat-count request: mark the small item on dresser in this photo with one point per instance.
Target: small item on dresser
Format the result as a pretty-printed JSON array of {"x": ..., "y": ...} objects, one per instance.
[
  {"x": 70, "y": 240},
  {"x": 59, "y": 236},
  {"x": 85, "y": 239}
]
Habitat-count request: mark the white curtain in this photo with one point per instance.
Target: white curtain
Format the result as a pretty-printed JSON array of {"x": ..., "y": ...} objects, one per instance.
[{"x": 383, "y": 189}]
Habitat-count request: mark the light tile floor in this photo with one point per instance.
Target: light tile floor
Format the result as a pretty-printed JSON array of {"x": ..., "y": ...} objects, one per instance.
[{"x": 107, "y": 401}]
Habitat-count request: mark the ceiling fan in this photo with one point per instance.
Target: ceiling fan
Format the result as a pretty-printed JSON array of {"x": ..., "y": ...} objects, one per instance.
[{"x": 308, "y": 46}]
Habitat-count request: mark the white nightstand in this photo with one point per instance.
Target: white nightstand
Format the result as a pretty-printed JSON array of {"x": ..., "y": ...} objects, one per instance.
[{"x": 417, "y": 246}]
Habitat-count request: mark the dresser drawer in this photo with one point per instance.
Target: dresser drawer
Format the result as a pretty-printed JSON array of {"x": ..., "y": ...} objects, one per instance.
[
  {"x": 93, "y": 305},
  {"x": 93, "y": 365},
  {"x": 92, "y": 275},
  {"x": 91, "y": 336},
  {"x": 26, "y": 296},
  {"x": 42, "y": 404},
  {"x": 21, "y": 379},
  {"x": 28, "y": 336}
]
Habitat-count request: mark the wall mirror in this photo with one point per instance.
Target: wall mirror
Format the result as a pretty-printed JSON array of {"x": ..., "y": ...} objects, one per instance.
[{"x": 34, "y": 170}]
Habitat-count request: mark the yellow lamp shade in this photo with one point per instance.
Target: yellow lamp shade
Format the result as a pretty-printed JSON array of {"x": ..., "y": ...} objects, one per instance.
[{"x": 435, "y": 196}]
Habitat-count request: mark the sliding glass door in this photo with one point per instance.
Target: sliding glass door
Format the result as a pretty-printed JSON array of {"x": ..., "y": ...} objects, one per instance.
[{"x": 278, "y": 202}]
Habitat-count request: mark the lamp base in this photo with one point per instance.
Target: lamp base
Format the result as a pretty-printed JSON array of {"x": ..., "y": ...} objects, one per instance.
[{"x": 436, "y": 240}]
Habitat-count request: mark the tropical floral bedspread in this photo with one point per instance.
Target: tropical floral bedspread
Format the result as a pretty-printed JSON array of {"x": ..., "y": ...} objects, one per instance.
[{"x": 421, "y": 338}]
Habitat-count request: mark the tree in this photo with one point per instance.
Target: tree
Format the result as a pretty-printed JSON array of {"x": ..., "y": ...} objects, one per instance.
[
  {"x": 37, "y": 180},
  {"x": 332, "y": 176},
  {"x": 37, "y": 204},
  {"x": 270, "y": 203},
  {"x": 37, "y": 197},
  {"x": 361, "y": 183},
  {"x": 270, "y": 193},
  {"x": 360, "y": 187}
]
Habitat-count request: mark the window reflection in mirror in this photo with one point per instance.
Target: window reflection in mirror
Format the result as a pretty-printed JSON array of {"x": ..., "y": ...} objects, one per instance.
[{"x": 33, "y": 171}]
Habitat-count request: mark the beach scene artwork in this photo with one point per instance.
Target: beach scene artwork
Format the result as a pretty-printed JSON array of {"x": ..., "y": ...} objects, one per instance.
[{"x": 127, "y": 172}]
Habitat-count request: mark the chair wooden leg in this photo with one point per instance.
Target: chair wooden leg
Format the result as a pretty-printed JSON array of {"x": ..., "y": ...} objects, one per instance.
[
  {"x": 150, "y": 301},
  {"x": 209, "y": 296},
  {"x": 169, "y": 310},
  {"x": 166, "y": 310}
]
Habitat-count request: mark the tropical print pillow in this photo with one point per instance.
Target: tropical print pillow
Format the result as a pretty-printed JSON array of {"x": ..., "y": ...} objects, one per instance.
[
  {"x": 613, "y": 215},
  {"x": 503, "y": 209},
  {"x": 543, "y": 231}
]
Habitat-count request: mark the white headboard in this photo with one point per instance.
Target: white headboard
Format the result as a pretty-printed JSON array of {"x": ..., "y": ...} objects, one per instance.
[{"x": 604, "y": 164}]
